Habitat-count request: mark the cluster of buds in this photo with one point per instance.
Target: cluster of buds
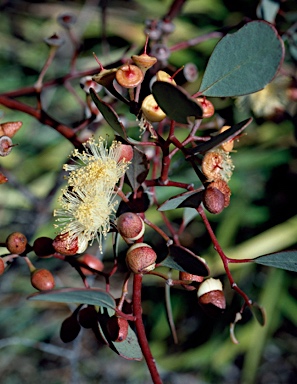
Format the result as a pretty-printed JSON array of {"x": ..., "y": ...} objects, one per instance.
[{"x": 217, "y": 167}]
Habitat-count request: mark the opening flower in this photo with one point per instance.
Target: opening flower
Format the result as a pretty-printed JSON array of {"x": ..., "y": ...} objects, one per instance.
[
  {"x": 217, "y": 164},
  {"x": 88, "y": 202}
]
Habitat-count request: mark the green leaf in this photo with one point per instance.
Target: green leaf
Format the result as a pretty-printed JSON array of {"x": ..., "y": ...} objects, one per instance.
[
  {"x": 188, "y": 199},
  {"x": 243, "y": 62},
  {"x": 184, "y": 260},
  {"x": 227, "y": 135},
  {"x": 138, "y": 169},
  {"x": 109, "y": 114},
  {"x": 176, "y": 102},
  {"x": 94, "y": 296},
  {"x": 129, "y": 348},
  {"x": 283, "y": 260},
  {"x": 259, "y": 313}
]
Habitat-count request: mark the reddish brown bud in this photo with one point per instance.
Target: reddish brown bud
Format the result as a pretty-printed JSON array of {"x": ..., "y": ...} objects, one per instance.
[
  {"x": 43, "y": 247},
  {"x": 10, "y": 128},
  {"x": 207, "y": 107},
  {"x": 2, "y": 266},
  {"x": 141, "y": 258},
  {"x": 223, "y": 187},
  {"x": 3, "y": 179},
  {"x": 126, "y": 152},
  {"x": 130, "y": 226},
  {"x": 129, "y": 76},
  {"x": 117, "y": 328},
  {"x": 42, "y": 279},
  {"x": 70, "y": 328},
  {"x": 92, "y": 262},
  {"x": 87, "y": 317},
  {"x": 213, "y": 200},
  {"x": 211, "y": 296},
  {"x": 65, "y": 244},
  {"x": 16, "y": 243}
]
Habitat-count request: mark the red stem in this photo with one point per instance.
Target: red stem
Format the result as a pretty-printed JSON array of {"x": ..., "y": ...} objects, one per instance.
[{"x": 140, "y": 330}]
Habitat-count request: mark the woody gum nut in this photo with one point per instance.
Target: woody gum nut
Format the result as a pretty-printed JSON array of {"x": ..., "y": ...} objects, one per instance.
[
  {"x": 141, "y": 258},
  {"x": 65, "y": 244},
  {"x": 42, "y": 279},
  {"x": 130, "y": 226},
  {"x": 129, "y": 76},
  {"x": 151, "y": 109},
  {"x": 92, "y": 262},
  {"x": 16, "y": 243},
  {"x": 117, "y": 328},
  {"x": 213, "y": 200},
  {"x": 164, "y": 76}
]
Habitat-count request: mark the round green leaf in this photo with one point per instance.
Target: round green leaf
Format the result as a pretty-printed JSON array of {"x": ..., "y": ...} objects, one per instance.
[
  {"x": 243, "y": 62},
  {"x": 176, "y": 102}
]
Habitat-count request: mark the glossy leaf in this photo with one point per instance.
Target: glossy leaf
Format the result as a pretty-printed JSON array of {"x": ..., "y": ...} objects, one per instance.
[
  {"x": 188, "y": 199},
  {"x": 243, "y": 62},
  {"x": 94, "y": 296},
  {"x": 184, "y": 260},
  {"x": 217, "y": 140},
  {"x": 176, "y": 102},
  {"x": 138, "y": 169},
  {"x": 259, "y": 313},
  {"x": 283, "y": 260},
  {"x": 109, "y": 114}
]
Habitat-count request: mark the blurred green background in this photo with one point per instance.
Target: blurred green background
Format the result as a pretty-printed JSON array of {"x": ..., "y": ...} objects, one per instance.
[{"x": 260, "y": 219}]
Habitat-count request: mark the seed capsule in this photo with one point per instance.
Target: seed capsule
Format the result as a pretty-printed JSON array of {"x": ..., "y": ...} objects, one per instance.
[
  {"x": 129, "y": 76},
  {"x": 151, "y": 109},
  {"x": 144, "y": 61},
  {"x": 207, "y": 107}
]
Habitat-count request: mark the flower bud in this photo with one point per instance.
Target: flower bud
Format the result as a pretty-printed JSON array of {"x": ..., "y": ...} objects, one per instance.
[
  {"x": 130, "y": 226},
  {"x": 151, "y": 109},
  {"x": 141, "y": 258},
  {"x": 117, "y": 328},
  {"x": 42, "y": 279},
  {"x": 207, "y": 107},
  {"x": 164, "y": 76},
  {"x": 87, "y": 317},
  {"x": 16, "y": 243},
  {"x": 126, "y": 153},
  {"x": 92, "y": 262},
  {"x": 10, "y": 128},
  {"x": 43, "y": 247},
  {"x": 2, "y": 266},
  {"x": 3, "y": 179},
  {"x": 144, "y": 61},
  {"x": 129, "y": 76},
  {"x": 228, "y": 145},
  {"x": 70, "y": 328},
  {"x": 65, "y": 244},
  {"x": 187, "y": 277},
  {"x": 211, "y": 296},
  {"x": 217, "y": 164},
  {"x": 223, "y": 187},
  {"x": 213, "y": 200},
  {"x": 5, "y": 145}
]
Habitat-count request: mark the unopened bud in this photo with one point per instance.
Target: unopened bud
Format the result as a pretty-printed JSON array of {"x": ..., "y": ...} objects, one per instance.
[
  {"x": 117, "y": 328},
  {"x": 130, "y": 226},
  {"x": 16, "y": 243},
  {"x": 92, "y": 262},
  {"x": 42, "y": 279},
  {"x": 151, "y": 109},
  {"x": 126, "y": 153},
  {"x": 213, "y": 200},
  {"x": 141, "y": 258},
  {"x": 65, "y": 244},
  {"x": 43, "y": 247},
  {"x": 206, "y": 106},
  {"x": 211, "y": 296},
  {"x": 2, "y": 266}
]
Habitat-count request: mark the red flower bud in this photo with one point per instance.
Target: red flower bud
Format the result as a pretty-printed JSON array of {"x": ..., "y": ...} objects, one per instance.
[
  {"x": 141, "y": 258},
  {"x": 92, "y": 262},
  {"x": 65, "y": 244},
  {"x": 16, "y": 243},
  {"x": 130, "y": 226},
  {"x": 42, "y": 279}
]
